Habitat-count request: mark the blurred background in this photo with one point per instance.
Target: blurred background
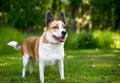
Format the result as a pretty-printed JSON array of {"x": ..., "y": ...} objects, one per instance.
[
  {"x": 90, "y": 23},
  {"x": 92, "y": 48}
]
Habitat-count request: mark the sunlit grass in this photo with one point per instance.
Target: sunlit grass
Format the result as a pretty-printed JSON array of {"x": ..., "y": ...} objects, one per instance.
[{"x": 81, "y": 66}]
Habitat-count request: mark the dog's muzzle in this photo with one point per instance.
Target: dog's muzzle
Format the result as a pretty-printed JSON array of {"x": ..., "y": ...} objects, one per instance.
[{"x": 62, "y": 38}]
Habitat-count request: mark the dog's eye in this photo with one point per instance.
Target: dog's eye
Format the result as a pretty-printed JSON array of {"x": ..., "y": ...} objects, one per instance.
[{"x": 55, "y": 27}]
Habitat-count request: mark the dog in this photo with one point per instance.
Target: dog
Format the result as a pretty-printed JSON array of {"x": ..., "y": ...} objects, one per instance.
[{"x": 47, "y": 49}]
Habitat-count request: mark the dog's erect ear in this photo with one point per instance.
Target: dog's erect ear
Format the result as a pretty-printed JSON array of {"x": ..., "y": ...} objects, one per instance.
[
  {"x": 49, "y": 17},
  {"x": 62, "y": 17}
]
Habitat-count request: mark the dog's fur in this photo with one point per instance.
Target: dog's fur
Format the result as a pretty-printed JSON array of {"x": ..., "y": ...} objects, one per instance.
[{"x": 47, "y": 49}]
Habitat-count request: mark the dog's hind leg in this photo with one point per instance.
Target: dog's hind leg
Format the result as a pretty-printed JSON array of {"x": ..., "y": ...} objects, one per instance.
[
  {"x": 32, "y": 66},
  {"x": 25, "y": 58}
]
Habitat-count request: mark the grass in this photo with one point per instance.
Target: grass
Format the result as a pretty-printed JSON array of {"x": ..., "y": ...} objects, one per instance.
[{"x": 81, "y": 66}]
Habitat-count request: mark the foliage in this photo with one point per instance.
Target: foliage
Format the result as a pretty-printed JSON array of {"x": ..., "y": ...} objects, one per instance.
[
  {"x": 104, "y": 39},
  {"x": 95, "y": 39},
  {"x": 87, "y": 40},
  {"x": 72, "y": 41},
  {"x": 81, "y": 66},
  {"x": 83, "y": 40},
  {"x": 107, "y": 39},
  {"x": 10, "y": 34},
  {"x": 24, "y": 14},
  {"x": 116, "y": 42}
]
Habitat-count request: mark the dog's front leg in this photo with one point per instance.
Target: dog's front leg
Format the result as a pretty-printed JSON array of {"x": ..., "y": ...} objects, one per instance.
[
  {"x": 61, "y": 69},
  {"x": 41, "y": 71}
]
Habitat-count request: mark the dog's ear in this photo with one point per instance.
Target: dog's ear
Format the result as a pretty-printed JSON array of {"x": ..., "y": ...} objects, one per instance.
[
  {"x": 62, "y": 16},
  {"x": 49, "y": 17}
]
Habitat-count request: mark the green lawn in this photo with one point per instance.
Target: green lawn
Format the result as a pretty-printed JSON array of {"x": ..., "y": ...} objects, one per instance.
[{"x": 81, "y": 66}]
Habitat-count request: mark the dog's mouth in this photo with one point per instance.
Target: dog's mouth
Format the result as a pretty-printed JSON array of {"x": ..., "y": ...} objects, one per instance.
[{"x": 61, "y": 39}]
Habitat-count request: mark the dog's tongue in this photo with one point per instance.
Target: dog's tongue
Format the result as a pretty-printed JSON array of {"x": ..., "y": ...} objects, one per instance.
[{"x": 62, "y": 39}]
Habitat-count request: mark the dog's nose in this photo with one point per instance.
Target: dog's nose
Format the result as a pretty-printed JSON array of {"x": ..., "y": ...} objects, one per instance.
[{"x": 63, "y": 33}]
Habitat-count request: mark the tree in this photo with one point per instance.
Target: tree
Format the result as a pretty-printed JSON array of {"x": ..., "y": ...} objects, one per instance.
[
  {"x": 25, "y": 13},
  {"x": 74, "y": 6},
  {"x": 80, "y": 14},
  {"x": 117, "y": 13}
]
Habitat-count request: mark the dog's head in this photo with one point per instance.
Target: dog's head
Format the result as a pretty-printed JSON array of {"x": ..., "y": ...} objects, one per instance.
[{"x": 55, "y": 31}]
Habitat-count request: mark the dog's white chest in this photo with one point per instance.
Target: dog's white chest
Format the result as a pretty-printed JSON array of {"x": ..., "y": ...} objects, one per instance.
[{"x": 49, "y": 54}]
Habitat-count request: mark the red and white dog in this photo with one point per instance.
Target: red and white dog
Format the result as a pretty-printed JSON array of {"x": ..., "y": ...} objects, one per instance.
[{"x": 47, "y": 49}]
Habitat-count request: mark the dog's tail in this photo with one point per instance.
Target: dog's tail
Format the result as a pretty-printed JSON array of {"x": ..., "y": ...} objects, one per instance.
[{"x": 14, "y": 44}]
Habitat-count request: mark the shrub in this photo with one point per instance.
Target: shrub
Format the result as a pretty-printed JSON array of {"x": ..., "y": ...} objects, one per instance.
[
  {"x": 9, "y": 34},
  {"x": 104, "y": 38},
  {"x": 83, "y": 40},
  {"x": 72, "y": 41},
  {"x": 96, "y": 39},
  {"x": 116, "y": 40},
  {"x": 86, "y": 40}
]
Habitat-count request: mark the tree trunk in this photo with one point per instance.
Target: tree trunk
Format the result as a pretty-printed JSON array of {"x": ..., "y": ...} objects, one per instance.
[
  {"x": 73, "y": 14},
  {"x": 117, "y": 20}
]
